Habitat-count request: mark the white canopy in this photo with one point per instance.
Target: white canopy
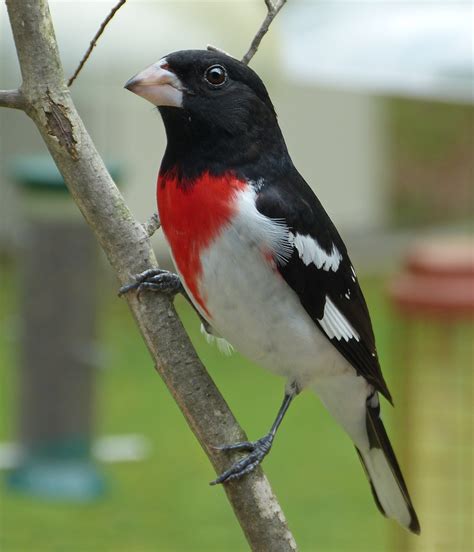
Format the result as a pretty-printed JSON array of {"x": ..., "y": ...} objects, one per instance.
[{"x": 404, "y": 48}]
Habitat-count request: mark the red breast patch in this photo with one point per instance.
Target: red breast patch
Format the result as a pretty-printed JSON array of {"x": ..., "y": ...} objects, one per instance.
[{"x": 192, "y": 215}]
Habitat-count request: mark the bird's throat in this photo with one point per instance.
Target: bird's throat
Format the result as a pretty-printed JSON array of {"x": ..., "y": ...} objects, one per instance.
[{"x": 195, "y": 147}]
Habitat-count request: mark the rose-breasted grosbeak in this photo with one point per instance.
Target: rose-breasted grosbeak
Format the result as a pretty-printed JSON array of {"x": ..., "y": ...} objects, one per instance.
[{"x": 260, "y": 259}]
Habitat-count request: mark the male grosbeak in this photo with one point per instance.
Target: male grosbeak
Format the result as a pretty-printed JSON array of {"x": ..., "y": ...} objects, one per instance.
[{"x": 260, "y": 259}]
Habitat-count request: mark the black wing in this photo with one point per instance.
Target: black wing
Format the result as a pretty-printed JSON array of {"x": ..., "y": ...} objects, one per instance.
[{"x": 327, "y": 285}]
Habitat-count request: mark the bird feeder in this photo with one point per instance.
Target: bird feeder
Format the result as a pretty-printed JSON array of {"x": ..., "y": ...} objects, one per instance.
[
  {"x": 434, "y": 300},
  {"x": 57, "y": 372}
]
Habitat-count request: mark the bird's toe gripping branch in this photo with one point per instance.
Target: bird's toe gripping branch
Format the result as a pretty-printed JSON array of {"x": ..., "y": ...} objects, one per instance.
[
  {"x": 154, "y": 279},
  {"x": 258, "y": 450}
]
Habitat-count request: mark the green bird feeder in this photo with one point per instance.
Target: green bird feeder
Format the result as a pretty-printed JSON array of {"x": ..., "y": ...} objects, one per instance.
[{"x": 58, "y": 358}]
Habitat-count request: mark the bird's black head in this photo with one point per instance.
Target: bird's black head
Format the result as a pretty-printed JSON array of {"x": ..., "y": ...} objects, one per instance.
[{"x": 216, "y": 111}]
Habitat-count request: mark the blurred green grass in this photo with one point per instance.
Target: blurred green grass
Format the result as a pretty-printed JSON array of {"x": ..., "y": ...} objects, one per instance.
[{"x": 164, "y": 503}]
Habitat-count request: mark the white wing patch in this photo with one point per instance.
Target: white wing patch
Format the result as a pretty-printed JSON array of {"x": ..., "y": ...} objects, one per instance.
[
  {"x": 335, "y": 324},
  {"x": 311, "y": 252},
  {"x": 224, "y": 346}
]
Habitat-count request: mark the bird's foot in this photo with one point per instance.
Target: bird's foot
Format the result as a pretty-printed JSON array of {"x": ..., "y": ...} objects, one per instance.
[
  {"x": 258, "y": 450},
  {"x": 154, "y": 279}
]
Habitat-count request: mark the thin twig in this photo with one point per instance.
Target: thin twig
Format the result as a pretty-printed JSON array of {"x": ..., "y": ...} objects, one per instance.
[
  {"x": 94, "y": 40},
  {"x": 152, "y": 225},
  {"x": 273, "y": 9},
  {"x": 12, "y": 98},
  {"x": 212, "y": 48}
]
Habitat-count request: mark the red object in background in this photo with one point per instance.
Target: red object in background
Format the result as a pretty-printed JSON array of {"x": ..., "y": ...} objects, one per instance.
[
  {"x": 434, "y": 297},
  {"x": 438, "y": 280}
]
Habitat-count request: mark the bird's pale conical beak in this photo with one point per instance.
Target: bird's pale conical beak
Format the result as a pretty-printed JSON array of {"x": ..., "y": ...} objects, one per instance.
[{"x": 158, "y": 85}]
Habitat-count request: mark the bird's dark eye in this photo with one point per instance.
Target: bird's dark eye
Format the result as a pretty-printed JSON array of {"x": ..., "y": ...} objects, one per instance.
[{"x": 216, "y": 75}]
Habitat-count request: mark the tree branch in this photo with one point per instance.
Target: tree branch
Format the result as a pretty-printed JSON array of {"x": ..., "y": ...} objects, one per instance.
[
  {"x": 94, "y": 40},
  {"x": 272, "y": 10},
  {"x": 49, "y": 104},
  {"x": 12, "y": 98}
]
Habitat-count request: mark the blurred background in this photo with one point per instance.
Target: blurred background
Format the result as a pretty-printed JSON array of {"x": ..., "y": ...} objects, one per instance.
[{"x": 375, "y": 101}]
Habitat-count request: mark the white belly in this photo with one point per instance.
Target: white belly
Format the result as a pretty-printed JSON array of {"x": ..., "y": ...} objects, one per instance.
[{"x": 254, "y": 309}]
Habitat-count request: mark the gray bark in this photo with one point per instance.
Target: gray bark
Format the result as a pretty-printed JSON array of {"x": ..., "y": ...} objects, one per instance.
[
  {"x": 46, "y": 99},
  {"x": 12, "y": 98},
  {"x": 273, "y": 7}
]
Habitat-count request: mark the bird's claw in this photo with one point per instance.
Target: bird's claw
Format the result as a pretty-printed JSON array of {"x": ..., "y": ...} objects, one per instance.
[
  {"x": 258, "y": 450},
  {"x": 154, "y": 279}
]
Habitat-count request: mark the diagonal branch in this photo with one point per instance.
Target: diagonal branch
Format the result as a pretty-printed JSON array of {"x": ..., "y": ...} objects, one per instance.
[
  {"x": 273, "y": 7},
  {"x": 94, "y": 40},
  {"x": 12, "y": 98},
  {"x": 48, "y": 102}
]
